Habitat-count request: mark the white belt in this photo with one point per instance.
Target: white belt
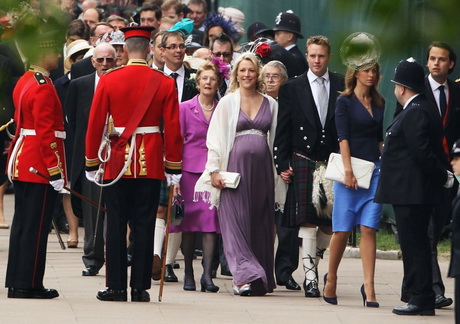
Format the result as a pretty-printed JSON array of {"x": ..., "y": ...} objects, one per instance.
[
  {"x": 31, "y": 132},
  {"x": 251, "y": 131},
  {"x": 140, "y": 130}
]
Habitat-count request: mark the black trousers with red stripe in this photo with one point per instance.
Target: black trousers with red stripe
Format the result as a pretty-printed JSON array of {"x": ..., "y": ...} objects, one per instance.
[
  {"x": 33, "y": 211},
  {"x": 134, "y": 201}
]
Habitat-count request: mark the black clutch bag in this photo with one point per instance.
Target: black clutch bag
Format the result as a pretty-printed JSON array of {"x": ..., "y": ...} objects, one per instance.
[{"x": 177, "y": 210}]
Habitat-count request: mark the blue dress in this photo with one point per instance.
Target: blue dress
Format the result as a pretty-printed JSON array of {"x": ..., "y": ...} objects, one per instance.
[{"x": 363, "y": 132}]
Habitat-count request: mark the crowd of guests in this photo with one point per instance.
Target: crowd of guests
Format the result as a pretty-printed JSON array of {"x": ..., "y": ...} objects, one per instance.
[{"x": 243, "y": 133}]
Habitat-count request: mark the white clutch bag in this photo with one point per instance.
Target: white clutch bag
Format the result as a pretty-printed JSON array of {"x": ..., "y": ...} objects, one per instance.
[
  {"x": 232, "y": 179},
  {"x": 362, "y": 170}
]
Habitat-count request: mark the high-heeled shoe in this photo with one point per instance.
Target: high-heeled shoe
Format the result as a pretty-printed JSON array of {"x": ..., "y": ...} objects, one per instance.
[
  {"x": 72, "y": 243},
  {"x": 365, "y": 302},
  {"x": 208, "y": 287},
  {"x": 329, "y": 300},
  {"x": 245, "y": 290},
  {"x": 189, "y": 287}
]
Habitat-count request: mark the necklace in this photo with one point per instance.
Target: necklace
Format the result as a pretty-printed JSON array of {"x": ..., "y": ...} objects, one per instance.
[{"x": 204, "y": 108}]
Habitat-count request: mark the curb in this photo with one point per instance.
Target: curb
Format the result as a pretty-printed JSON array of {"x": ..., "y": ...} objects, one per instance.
[{"x": 351, "y": 252}]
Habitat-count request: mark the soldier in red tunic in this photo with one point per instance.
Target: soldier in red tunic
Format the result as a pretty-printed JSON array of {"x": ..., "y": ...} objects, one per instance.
[
  {"x": 138, "y": 99},
  {"x": 38, "y": 144}
]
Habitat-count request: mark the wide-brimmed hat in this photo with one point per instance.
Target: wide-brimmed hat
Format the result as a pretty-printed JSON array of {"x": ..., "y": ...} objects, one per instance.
[
  {"x": 79, "y": 45},
  {"x": 410, "y": 75},
  {"x": 288, "y": 21}
]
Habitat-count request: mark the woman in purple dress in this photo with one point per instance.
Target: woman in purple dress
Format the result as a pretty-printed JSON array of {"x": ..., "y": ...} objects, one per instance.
[
  {"x": 195, "y": 115},
  {"x": 240, "y": 139}
]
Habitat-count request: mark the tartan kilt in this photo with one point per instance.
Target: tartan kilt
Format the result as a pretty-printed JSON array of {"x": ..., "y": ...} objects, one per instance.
[{"x": 299, "y": 208}]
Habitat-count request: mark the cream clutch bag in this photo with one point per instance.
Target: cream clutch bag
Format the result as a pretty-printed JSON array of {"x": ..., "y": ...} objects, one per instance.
[
  {"x": 362, "y": 170},
  {"x": 231, "y": 179}
]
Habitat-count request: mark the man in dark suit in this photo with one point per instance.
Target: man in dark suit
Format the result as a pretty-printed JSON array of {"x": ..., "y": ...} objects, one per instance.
[
  {"x": 441, "y": 60},
  {"x": 173, "y": 49},
  {"x": 77, "y": 108},
  {"x": 305, "y": 134},
  {"x": 413, "y": 173},
  {"x": 222, "y": 46},
  {"x": 287, "y": 31},
  {"x": 85, "y": 66}
]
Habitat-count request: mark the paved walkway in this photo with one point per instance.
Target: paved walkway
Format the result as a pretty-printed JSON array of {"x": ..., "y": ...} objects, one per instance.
[{"x": 77, "y": 302}]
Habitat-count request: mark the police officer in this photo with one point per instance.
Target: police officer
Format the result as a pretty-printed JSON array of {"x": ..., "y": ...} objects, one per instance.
[{"x": 413, "y": 173}]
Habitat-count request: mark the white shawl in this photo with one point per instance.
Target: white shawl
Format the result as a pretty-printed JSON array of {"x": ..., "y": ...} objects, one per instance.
[{"x": 220, "y": 139}]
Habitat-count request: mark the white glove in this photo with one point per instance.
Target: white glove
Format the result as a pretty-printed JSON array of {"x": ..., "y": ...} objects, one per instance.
[
  {"x": 58, "y": 185},
  {"x": 173, "y": 179},
  {"x": 450, "y": 180},
  {"x": 91, "y": 175}
]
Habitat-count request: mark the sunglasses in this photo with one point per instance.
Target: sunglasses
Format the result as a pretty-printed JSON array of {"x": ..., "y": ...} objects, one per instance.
[
  {"x": 224, "y": 54},
  {"x": 107, "y": 59}
]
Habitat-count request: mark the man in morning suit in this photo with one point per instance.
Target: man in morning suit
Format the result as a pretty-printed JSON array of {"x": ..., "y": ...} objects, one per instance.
[
  {"x": 38, "y": 144},
  {"x": 287, "y": 31},
  {"x": 77, "y": 108},
  {"x": 305, "y": 134},
  {"x": 441, "y": 60},
  {"x": 413, "y": 172},
  {"x": 140, "y": 157},
  {"x": 173, "y": 48}
]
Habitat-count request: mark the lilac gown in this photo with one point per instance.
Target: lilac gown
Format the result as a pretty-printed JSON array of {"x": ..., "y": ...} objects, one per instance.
[{"x": 246, "y": 214}]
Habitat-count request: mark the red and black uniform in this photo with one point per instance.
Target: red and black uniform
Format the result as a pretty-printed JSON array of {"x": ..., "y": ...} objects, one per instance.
[
  {"x": 39, "y": 144},
  {"x": 135, "y": 196}
]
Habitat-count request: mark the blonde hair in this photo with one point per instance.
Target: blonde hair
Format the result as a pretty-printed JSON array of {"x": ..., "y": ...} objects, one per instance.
[{"x": 234, "y": 84}]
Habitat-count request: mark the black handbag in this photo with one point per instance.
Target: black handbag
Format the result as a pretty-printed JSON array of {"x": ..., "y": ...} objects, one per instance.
[{"x": 177, "y": 210}]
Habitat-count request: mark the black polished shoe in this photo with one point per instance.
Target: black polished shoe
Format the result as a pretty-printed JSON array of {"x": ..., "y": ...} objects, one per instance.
[
  {"x": 139, "y": 295},
  {"x": 170, "y": 276},
  {"x": 311, "y": 290},
  {"x": 176, "y": 265},
  {"x": 410, "y": 309},
  {"x": 112, "y": 295},
  {"x": 290, "y": 284},
  {"x": 90, "y": 271},
  {"x": 442, "y": 301},
  {"x": 225, "y": 272},
  {"x": 40, "y": 293}
]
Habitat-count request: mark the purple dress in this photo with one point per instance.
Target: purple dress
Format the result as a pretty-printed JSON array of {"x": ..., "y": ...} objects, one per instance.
[
  {"x": 194, "y": 128},
  {"x": 247, "y": 214}
]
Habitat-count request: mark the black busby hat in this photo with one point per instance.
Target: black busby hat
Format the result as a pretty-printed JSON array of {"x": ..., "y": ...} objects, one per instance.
[
  {"x": 456, "y": 148},
  {"x": 410, "y": 75},
  {"x": 288, "y": 21}
]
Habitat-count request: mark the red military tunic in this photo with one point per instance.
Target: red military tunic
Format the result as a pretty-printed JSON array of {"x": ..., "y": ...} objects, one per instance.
[
  {"x": 118, "y": 94},
  {"x": 38, "y": 110}
]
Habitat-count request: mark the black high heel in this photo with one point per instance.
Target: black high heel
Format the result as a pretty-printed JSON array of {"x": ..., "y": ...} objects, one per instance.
[
  {"x": 329, "y": 300},
  {"x": 208, "y": 287},
  {"x": 190, "y": 287},
  {"x": 368, "y": 303}
]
